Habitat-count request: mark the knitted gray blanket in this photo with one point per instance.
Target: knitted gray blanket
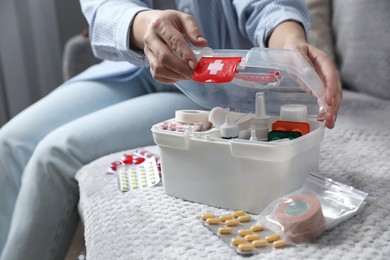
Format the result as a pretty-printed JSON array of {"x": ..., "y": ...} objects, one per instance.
[{"x": 148, "y": 224}]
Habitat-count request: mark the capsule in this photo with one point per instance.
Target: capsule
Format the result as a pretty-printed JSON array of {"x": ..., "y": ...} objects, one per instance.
[
  {"x": 213, "y": 221},
  {"x": 244, "y": 232},
  {"x": 238, "y": 213},
  {"x": 257, "y": 228},
  {"x": 260, "y": 243},
  {"x": 272, "y": 238},
  {"x": 252, "y": 237},
  {"x": 225, "y": 230},
  {"x": 238, "y": 241},
  {"x": 279, "y": 243},
  {"x": 206, "y": 216},
  {"x": 246, "y": 247},
  {"x": 225, "y": 217},
  {"x": 231, "y": 222},
  {"x": 244, "y": 218}
]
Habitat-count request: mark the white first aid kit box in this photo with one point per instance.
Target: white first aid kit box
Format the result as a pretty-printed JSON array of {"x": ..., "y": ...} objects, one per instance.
[{"x": 201, "y": 165}]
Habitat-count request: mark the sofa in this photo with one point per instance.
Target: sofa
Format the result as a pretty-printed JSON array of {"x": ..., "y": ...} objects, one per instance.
[{"x": 356, "y": 34}]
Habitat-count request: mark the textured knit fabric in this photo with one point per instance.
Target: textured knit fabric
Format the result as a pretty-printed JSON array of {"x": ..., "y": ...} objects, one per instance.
[
  {"x": 362, "y": 43},
  {"x": 239, "y": 24}
]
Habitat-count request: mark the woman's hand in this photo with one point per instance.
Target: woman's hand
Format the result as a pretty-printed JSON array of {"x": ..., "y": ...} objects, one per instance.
[
  {"x": 290, "y": 35},
  {"x": 161, "y": 34}
]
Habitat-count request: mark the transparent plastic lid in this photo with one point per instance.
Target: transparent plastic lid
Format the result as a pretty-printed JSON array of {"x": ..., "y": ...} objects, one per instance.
[{"x": 231, "y": 79}]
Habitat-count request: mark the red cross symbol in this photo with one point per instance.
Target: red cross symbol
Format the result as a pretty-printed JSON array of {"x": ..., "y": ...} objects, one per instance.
[{"x": 216, "y": 69}]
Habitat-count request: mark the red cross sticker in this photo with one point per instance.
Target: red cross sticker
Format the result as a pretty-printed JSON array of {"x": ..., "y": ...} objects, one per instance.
[{"x": 216, "y": 69}]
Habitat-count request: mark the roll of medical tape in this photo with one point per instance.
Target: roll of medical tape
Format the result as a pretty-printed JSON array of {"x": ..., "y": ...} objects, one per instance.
[
  {"x": 301, "y": 217},
  {"x": 192, "y": 116}
]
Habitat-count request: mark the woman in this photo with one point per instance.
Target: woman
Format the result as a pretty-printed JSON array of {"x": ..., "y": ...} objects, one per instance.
[{"x": 44, "y": 146}]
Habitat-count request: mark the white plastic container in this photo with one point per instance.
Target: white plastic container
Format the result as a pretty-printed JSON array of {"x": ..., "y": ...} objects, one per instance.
[{"x": 241, "y": 174}]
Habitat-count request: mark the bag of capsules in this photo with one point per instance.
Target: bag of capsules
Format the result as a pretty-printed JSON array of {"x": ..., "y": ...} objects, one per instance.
[{"x": 319, "y": 205}]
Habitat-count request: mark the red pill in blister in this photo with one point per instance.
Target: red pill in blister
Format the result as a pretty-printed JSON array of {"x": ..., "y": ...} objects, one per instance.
[
  {"x": 115, "y": 164},
  {"x": 141, "y": 151},
  {"x": 138, "y": 160},
  {"x": 164, "y": 125},
  {"x": 127, "y": 159},
  {"x": 172, "y": 127}
]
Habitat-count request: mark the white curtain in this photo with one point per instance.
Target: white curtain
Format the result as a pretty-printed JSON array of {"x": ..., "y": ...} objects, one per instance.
[{"x": 32, "y": 36}]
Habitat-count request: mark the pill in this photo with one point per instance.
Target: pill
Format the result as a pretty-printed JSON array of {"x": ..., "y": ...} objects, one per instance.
[
  {"x": 225, "y": 217},
  {"x": 206, "y": 216},
  {"x": 213, "y": 221},
  {"x": 141, "y": 151},
  {"x": 256, "y": 228},
  {"x": 246, "y": 247},
  {"x": 252, "y": 237},
  {"x": 139, "y": 160},
  {"x": 115, "y": 164},
  {"x": 244, "y": 232},
  {"x": 127, "y": 159},
  {"x": 225, "y": 230},
  {"x": 164, "y": 125},
  {"x": 279, "y": 243},
  {"x": 232, "y": 222},
  {"x": 272, "y": 238},
  {"x": 238, "y": 213},
  {"x": 260, "y": 243},
  {"x": 244, "y": 218},
  {"x": 238, "y": 241}
]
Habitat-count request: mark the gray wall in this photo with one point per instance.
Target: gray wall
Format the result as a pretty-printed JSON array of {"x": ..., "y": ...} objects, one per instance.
[{"x": 32, "y": 37}]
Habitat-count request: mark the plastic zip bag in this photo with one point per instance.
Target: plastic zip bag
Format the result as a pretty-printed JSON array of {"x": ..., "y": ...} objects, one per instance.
[{"x": 321, "y": 204}]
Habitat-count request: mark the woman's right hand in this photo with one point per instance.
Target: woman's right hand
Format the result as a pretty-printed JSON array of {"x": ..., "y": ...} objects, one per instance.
[{"x": 161, "y": 34}]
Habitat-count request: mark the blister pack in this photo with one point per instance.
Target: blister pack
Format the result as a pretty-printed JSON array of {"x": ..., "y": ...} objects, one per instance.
[
  {"x": 240, "y": 231},
  {"x": 139, "y": 176}
]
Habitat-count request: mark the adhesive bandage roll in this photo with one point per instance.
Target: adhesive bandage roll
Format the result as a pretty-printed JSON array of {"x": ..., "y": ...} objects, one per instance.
[
  {"x": 301, "y": 217},
  {"x": 192, "y": 116}
]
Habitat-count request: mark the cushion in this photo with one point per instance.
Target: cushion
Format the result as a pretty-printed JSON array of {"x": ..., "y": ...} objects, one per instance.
[
  {"x": 320, "y": 33},
  {"x": 362, "y": 45}
]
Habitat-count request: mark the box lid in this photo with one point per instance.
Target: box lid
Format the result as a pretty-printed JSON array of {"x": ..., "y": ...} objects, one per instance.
[{"x": 231, "y": 79}]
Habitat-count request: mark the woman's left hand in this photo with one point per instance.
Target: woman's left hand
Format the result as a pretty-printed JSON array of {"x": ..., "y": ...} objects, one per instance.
[{"x": 290, "y": 35}]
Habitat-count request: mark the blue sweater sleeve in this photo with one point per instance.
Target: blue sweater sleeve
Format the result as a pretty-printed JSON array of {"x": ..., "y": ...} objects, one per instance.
[{"x": 257, "y": 19}]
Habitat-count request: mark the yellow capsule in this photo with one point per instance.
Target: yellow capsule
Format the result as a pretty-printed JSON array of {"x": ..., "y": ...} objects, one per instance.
[
  {"x": 256, "y": 228},
  {"x": 260, "y": 243},
  {"x": 244, "y": 232},
  {"x": 238, "y": 241},
  {"x": 225, "y": 230},
  {"x": 252, "y": 237},
  {"x": 231, "y": 222},
  {"x": 272, "y": 238},
  {"x": 225, "y": 217},
  {"x": 244, "y": 218},
  {"x": 238, "y": 213},
  {"x": 279, "y": 244},
  {"x": 246, "y": 247},
  {"x": 206, "y": 216},
  {"x": 213, "y": 221}
]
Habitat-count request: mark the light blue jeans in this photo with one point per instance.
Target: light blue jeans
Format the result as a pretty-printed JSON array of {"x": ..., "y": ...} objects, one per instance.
[{"x": 42, "y": 148}]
